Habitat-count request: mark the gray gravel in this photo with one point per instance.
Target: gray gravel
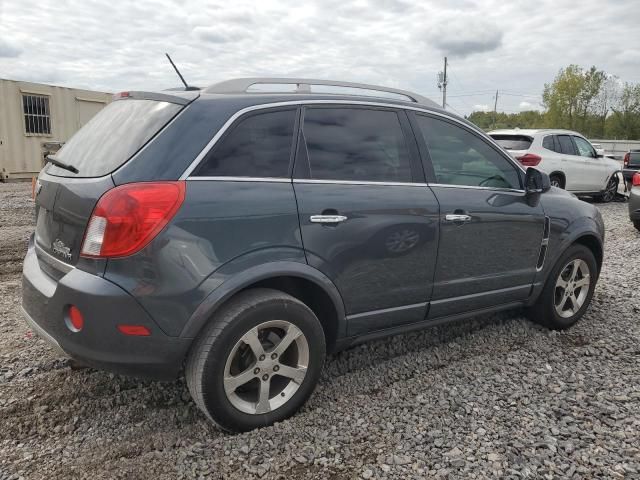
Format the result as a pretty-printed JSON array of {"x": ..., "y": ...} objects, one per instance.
[{"x": 494, "y": 397}]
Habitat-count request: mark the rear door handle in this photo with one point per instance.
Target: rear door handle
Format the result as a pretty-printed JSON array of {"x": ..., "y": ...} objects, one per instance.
[
  {"x": 327, "y": 218},
  {"x": 456, "y": 217}
]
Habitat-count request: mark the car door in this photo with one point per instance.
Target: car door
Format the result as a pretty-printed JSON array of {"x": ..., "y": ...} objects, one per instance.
[
  {"x": 368, "y": 220},
  {"x": 490, "y": 237},
  {"x": 572, "y": 164},
  {"x": 595, "y": 172}
]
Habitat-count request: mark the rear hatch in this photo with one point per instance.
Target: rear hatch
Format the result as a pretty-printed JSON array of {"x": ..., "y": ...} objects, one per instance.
[
  {"x": 65, "y": 199},
  {"x": 634, "y": 160},
  {"x": 516, "y": 144}
]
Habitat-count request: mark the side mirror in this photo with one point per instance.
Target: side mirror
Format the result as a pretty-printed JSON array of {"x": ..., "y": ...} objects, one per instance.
[{"x": 536, "y": 182}]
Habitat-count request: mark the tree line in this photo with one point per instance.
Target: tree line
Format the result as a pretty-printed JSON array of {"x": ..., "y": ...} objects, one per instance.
[{"x": 592, "y": 102}]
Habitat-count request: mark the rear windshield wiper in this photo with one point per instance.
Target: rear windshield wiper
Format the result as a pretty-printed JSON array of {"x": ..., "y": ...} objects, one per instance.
[{"x": 53, "y": 160}]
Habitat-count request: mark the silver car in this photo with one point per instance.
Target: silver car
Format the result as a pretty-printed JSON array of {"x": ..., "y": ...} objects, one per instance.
[{"x": 570, "y": 160}]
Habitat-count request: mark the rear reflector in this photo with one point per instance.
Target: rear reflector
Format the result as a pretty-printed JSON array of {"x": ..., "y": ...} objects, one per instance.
[
  {"x": 74, "y": 320},
  {"x": 627, "y": 157},
  {"x": 529, "y": 159},
  {"x": 128, "y": 217},
  {"x": 635, "y": 180},
  {"x": 135, "y": 330}
]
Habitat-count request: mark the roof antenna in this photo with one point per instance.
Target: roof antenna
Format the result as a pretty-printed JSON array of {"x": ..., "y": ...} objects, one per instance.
[{"x": 186, "y": 86}]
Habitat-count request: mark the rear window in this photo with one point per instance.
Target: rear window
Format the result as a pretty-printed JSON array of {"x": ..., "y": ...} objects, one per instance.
[
  {"x": 634, "y": 158},
  {"x": 111, "y": 138},
  {"x": 513, "y": 142}
]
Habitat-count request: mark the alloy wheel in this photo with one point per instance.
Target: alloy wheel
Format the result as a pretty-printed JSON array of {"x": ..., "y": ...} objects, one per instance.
[
  {"x": 266, "y": 367},
  {"x": 572, "y": 288},
  {"x": 610, "y": 190}
]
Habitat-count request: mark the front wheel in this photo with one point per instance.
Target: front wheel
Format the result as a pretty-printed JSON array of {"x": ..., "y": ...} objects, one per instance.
[
  {"x": 257, "y": 362},
  {"x": 609, "y": 192},
  {"x": 568, "y": 290}
]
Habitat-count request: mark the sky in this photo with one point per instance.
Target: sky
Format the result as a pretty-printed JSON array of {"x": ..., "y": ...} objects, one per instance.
[{"x": 513, "y": 46}]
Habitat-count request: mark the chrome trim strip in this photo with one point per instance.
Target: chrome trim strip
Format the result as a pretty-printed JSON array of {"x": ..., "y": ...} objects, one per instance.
[
  {"x": 41, "y": 332},
  {"x": 358, "y": 182},
  {"x": 496, "y": 189},
  {"x": 192, "y": 166},
  {"x": 386, "y": 310},
  {"x": 243, "y": 179},
  {"x": 327, "y": 218},
  {"x": 56, "y": 263}
]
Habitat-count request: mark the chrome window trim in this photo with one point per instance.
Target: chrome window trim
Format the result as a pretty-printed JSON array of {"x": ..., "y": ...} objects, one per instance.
[
  {"x": 264, "y": 106},
  {"x": 474, "y": 187},
  {"x": 243, "y": 179},
  {"x": 359, "y": 182}
]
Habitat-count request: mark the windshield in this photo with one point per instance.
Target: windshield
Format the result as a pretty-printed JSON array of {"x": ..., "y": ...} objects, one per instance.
[
  {"x": 113, "y": 136},
  {"x": 513, "y": 142}
]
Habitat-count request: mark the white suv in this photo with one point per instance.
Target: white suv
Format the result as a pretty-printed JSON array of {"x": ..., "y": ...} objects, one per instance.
[{"x": 570, "y": 160}]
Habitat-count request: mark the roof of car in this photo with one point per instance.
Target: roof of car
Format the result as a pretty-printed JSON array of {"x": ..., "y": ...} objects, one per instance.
[{"x": 530, "y": 131}]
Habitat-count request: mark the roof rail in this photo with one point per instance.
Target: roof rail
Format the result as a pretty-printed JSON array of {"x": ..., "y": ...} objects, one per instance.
[{"x": 304, "y": 85}]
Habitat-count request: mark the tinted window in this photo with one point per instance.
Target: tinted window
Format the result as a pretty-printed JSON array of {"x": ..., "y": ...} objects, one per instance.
[
  {"x": 548, "y": 143},
  {"x": 356, "y": 144},
  {"x": 111, "y": 137},
  {"x": 258, "y": 146},
  {"x": 584, "y": 148},
  {"x": 566, "y": 145},
  {"x": 513, "y": 142},
  {"x": 461, "y": 158}
]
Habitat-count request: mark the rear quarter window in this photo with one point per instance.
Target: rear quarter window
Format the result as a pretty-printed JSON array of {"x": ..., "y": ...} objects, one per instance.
[{"x": 513, "y": 142}]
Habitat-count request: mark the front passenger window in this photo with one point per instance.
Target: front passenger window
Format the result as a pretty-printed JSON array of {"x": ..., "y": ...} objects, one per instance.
[
  {"x": 461, "y": 158},
  {"x": 584, "y": 148}
]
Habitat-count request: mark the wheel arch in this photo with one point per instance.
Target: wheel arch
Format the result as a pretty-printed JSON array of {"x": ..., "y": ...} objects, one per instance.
[
  {"x": 299, "y": 280},
  {"x": 561, "y": 174},
  {"x": 592, "y": 243}
]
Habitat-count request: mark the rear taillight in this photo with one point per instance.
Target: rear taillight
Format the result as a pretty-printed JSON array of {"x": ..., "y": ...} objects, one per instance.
[
  {"x": 626, "y": 159},
  {"x": 635, "y": 180},
  {"x": 529, "y": 159},
  {"x": 128, "y": 217}
]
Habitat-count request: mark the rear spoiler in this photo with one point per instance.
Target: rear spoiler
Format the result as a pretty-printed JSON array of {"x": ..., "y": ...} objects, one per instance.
[{"x": 183, "y": 99}]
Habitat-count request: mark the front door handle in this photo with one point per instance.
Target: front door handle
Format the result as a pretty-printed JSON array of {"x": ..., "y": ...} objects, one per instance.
[
  {"x": 327, "y": 218},
  {"x": 456, "y": 217}
]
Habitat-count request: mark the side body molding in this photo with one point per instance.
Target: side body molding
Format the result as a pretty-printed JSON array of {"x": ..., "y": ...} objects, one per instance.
[{"x": 232, "y": 282}]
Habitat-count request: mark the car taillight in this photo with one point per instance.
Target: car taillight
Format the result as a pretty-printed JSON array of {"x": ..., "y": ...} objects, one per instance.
[
  {"x": 635, "y": 180},
  {"x": 626, "y": 159},
  {"x": 529, "y": 159},
  {"x": 128, "y": 217}
]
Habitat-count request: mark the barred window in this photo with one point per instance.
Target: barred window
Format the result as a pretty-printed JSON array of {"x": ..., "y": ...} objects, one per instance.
[{"x": 36, "y": 114}]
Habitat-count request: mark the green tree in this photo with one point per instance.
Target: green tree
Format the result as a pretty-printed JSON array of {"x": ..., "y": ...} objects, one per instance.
[{"x": 625, "y": 121}]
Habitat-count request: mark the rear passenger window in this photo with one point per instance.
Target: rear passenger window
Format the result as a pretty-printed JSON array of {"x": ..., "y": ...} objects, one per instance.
[
  {"x": 356, "y": 144},
  {"x": 258, "y": 146},
  {"x": 547, "y": 142},
  {"x": 566, "y": 145},
  {"x": 461, "y": 158}
]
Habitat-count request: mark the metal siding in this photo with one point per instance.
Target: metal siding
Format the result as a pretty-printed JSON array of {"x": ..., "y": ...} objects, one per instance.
[{"x": 21, "y": 154}]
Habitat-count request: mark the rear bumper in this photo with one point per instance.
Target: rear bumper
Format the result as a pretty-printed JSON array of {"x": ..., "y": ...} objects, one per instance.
[{"x": 104, "y": 305}]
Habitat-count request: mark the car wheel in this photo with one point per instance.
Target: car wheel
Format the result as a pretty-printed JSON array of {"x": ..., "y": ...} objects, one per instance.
[
  {"x": 636, "y": 223},
  {"x": 556, "y": 181},
  {"x": 610, "y": 190},
  {"x": 257, "y": 362},
  {"x": 568, "y": 289}
]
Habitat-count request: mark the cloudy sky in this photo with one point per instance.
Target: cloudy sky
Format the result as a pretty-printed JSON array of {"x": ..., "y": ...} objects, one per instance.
[{"x": 513, "y": 46}]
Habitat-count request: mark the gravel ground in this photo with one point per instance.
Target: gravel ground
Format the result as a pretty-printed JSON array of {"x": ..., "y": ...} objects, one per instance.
[{"x": 492, "y": 397}]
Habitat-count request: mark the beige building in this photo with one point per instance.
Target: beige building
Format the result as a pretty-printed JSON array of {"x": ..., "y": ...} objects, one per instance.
[{"x": 36, "y": 118}]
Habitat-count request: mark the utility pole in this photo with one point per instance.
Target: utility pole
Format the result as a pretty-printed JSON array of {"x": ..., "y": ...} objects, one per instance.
[
  {"x": 495, "y": 109},
  {"x": 442, "y": 83}
]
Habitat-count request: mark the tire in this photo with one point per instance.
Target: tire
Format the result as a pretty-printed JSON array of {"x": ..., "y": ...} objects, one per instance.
[
  {"x": 609, "y": 192},
  {"x": 545, "y": 312},
  {"x": 556, "y": 181},
  {"x": 219, "y": 352},
  {"x": 636, "y": 223}
]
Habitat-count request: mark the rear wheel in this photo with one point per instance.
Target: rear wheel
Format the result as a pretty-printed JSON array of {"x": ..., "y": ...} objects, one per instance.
[
  {"x": 556, "y": 181},
  {"x": 568, "y": 290},
  {"x": 257, "y": 362}
]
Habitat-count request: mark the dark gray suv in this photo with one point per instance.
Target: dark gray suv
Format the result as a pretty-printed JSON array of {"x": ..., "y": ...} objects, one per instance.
[{"x": 239, "y": 235}]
